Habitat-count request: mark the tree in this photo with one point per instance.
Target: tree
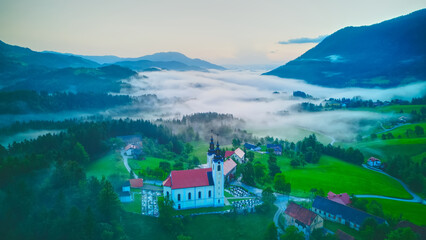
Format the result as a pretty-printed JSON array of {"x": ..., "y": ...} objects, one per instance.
[
  {"x": 419, "y": 130},
  {"x": 250, "y": 156},
  {"x": 109, "y": 204},
  {"x": 248, "y": 174},
  {"x": 373, "y": 136},
  {"x": 259, "y": 171},
  {"x": 268, "y": 199},
  {"x": 271, "y": 232},
  {"x": 279, "y": 182},
  {"x": 292, "y": 233},
  {"x": 166, "y": 218},
  {"x": 236, "y": 142},
  {"x": 402, "y": 234}
]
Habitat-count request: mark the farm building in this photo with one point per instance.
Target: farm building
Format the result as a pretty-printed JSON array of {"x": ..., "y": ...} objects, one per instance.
[
  {"x": 342, "y": 198},
  {"x": 340, "y": 213},
  {"x": 304, "y": 219},
  {"x": 277, "y": 149},
  {"x": 374, "y": 162},
  {"x": 124, "y": 193},
  {"x": 238, "y": 155}
]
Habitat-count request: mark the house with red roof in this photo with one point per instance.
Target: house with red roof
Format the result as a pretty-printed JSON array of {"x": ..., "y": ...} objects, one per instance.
[
  {"x": 342, "y": 198},
  {"x": 304, "y": 219},
  {"x": 228, "y": 154},
  {"x": 229, "y": 169},
  {"x": 374, "y": 162},
  {"x": 195, "y": 188},
  {"x": 136, "y": 183}
]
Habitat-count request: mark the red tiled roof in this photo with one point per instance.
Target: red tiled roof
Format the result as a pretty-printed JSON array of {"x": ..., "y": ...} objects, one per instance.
[
  {"x": 189, "y": 178},
  {"x": 136, "y": 183},
  {"x": 228, "y": 154},
  {"x": 342, "y": 198},
  {"x": 167, "y": 182},
  {"x": 228, "y": 165},
  {"x": 300, "y": 213}
]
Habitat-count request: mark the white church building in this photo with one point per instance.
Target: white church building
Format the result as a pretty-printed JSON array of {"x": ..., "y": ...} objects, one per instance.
[{"x": 197, "y": 188}]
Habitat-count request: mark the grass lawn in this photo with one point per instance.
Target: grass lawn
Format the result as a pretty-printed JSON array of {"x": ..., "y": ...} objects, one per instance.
[
  {"x": 237, "y": 200},
  {"x": 227, "y": 194},
  {"x": 333, "y": 226},
  {"x": 135, "y": 206},
  {"x": 413, "y": 212},
  {"x": 110, "y": 164},
  {"x": 391, "y": 109},
  {"x": 392, "y": 147},
  {"x": 400, "y": 131},
  {"x": 202, "y": 210},
  {"x": 151, "y": 162},
  {"x": 331, "y": 174},
  {"x": 232, "y": 226}
]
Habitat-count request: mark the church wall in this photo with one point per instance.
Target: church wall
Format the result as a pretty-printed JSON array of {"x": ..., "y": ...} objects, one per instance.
[{"x": 194, "y": 202}]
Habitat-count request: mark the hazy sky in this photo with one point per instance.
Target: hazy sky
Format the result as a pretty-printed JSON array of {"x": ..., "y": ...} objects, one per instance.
[{"x": 223, "y": 32}]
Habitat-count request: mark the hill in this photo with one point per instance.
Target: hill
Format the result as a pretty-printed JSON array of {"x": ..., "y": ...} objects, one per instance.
[
  {"x": 386, "y": 54},
  {"x": 166, "y": 60}
]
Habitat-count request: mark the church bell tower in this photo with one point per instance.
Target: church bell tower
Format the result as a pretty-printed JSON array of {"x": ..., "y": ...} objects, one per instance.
[
  {"x": 210, "y": 153},
  {"x": 218, "y": 178}
]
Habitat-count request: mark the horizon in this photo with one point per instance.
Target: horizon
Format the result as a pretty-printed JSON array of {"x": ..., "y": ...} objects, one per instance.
[{"x": 283, "y": 30}]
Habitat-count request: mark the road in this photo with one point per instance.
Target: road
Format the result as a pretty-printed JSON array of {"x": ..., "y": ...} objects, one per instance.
[
  {"x": 416, "y": 198},
  {"x": 126, "y": 163}
]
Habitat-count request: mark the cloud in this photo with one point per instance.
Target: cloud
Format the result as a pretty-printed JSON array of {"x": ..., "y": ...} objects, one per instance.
[
  {"x": 249, "y": 95},
  {"x": 304, "y": 40}
]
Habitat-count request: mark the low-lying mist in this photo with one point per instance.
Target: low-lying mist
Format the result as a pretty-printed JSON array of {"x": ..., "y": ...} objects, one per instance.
[{"x": 264, "y": 102}]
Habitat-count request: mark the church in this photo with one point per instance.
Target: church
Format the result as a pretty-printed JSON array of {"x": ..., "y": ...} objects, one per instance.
[{"x": 197, "y": 188}]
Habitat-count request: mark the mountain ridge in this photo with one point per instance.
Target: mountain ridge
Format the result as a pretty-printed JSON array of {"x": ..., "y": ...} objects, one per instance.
[{"x": 385, "y": 54}]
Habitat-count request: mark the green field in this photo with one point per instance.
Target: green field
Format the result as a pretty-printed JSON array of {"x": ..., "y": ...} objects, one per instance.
[
  {"x": 391, "y": 109},
  {"x": 400, "y": 131},
  {"x": 331, "y": 174},
  {"x": 110, "y": 164},
  {"x": 134, "y": 206},
  {"x": 413, "y": 212},
  {"x": 151, "y": 162},
  {"x": 389, "y": 148}
]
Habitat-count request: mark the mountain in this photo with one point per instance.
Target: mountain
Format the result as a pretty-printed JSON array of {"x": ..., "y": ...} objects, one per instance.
[
  {"x": 167, "y": 60},
  {"x": 386, "y": 54},
  {"x": 24, "y": 69},
  {"x": 146, "y": 65},
  {"x": 27, "y": 57},
  {"x": 97, "y": 80}
]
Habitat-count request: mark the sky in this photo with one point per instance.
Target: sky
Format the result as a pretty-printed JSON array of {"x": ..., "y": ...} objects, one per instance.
[{"x": 237, "y": 32}]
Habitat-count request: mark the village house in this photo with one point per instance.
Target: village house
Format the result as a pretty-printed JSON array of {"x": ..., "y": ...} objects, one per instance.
[
  {"x": 304, "y": 219},
  {"x": 197, "y": 188},
  {"x": 342, "y": 198},
  {"x": 229, "y": 170},
  {"x": 136, "y": 183},
  {"x": 251, "y": 147},
  {"x": 374, "y": 162},
  {"x": 125, "y": 195},
  {"x": 277, "y": 149},
  {"x": 340, "y": 213}
]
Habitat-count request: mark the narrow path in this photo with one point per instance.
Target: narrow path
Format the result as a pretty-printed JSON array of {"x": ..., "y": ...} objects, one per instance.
[
  {"x": 416, "y": 198},
  {"x": 126, "y": 163}
]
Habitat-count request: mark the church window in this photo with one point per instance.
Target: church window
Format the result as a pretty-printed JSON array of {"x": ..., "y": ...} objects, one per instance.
[
  {"x": 178, "y": 206},
  {"x": 178, "y": 197},
  {"x": 167, "y": 194},
  {"x": 218, "y": 167},
  {"x": 199, "y": 194},
  {"x": 189, "y": 196},
  {"x": 218, "y": 201},
  {"x": 210, "y": 193}
]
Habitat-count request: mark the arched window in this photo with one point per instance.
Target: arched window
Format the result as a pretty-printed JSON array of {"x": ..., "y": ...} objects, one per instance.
[
  {"x": 189, "y": 196},
  {"x": 178, "y": 197},
  {"x": 178, "y": 206},
  {"x": 210, "y": 193},
  {"x": 199, "y": 194},
  {"x": 218, "y": 167},
  {"x": 167, "y": 194}
]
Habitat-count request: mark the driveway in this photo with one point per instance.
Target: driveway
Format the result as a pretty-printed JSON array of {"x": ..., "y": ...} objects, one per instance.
[{"x": 126, "y": 163}]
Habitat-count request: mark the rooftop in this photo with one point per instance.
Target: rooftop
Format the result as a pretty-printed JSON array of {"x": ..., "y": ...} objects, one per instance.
[
  {"x": 228, "y": 165},
  {"x": 189, "y": 178},
  {"x": 300, "y": 213}
]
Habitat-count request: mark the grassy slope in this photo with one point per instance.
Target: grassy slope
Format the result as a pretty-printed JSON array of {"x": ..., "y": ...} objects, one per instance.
[
  {"x": 331, "y": 174},
  {"x": 414, "y": 212},
  {"x": 391, "y": 109},
  {"x": 151, "y": 162},
  {"x": 250, "y": 226},
  {"x": 110, "y": 164}
]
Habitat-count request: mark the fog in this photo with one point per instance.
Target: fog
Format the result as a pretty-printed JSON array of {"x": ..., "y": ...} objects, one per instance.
[{"x": 250, "y": 96}]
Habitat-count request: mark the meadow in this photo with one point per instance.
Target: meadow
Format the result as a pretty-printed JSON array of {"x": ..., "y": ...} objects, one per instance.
[
  {"x": 332, "y": 174},
  {"x": 108, "y": 165},
  {"x": 413, "y": 212}
]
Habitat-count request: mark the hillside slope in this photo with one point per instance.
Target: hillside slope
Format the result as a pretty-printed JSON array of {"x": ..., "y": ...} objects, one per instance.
[{"x": 386, "y": 54}]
